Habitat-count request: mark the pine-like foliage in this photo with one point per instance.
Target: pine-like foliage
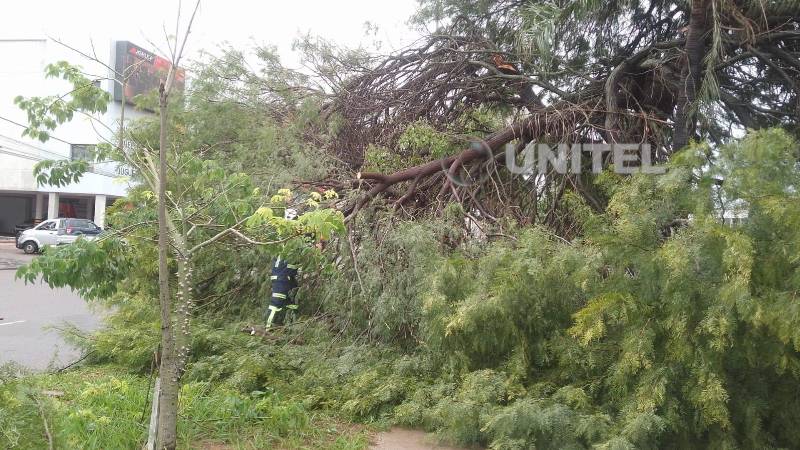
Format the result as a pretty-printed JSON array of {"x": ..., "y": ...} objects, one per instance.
[
  {"x": 662, "y": 327},
  {"x": 379, "y": 294},
  {"x": 658, "y": 327}
]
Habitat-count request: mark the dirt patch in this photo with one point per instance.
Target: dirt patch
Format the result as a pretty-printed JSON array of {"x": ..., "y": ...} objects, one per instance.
[
  {"x": 209, "y": 445},
  {"x": 405, "y": 439}
]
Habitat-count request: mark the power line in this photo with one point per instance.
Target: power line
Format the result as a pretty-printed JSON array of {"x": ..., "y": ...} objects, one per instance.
[
  {"x": 8, "y": 151},
  {"x": 29, "y": 149},
  {"x": 25, "y": 126},
  {"x": 22, "y": 153},
  {"x": 93, "y": 168}
]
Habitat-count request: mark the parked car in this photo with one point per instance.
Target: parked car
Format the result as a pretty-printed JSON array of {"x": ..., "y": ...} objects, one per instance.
[{"x": 56, "y": 232}]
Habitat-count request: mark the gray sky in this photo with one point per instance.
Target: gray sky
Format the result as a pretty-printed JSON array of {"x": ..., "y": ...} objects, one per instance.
[{"x": 241, "y": 23}]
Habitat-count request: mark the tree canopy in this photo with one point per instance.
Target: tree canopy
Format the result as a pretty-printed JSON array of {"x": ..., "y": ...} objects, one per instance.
[
  {"x": 656, "y": 72},
  {"x": 533, "y": 310}
]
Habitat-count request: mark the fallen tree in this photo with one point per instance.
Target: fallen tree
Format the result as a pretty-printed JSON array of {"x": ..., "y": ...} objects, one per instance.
[{"x": 659, "y": 72}]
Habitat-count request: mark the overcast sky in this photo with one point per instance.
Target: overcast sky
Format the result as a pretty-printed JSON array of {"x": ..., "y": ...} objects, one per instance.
[{"x": 239, "y": 22}]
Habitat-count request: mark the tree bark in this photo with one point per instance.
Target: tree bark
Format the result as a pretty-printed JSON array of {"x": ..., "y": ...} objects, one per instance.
[
  {"x": 183, "y": 310},
  {"x": 168, "y": 371},
  {"x": 691, "y": 74}
]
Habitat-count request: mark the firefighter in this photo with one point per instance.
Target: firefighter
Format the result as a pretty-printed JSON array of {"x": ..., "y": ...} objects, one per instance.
[{"x": 284, "y": 286}]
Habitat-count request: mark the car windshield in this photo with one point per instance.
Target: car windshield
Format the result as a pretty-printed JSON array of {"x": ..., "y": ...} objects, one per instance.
[
  {"x": 85, "y": 224},
  {"x": 46, "y": 226}
]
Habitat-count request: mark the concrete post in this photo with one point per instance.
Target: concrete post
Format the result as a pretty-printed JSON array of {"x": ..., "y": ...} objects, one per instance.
[
  {"x": 100, "y": 210},
  {"x": 52, "y": 206},
  {"x": 38, "y": 211}
]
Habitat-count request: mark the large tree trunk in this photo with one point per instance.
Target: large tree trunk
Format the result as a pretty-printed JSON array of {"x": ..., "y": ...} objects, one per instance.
[
  {"x": 168, "y": 371},
  {"x": 692, "y": 73}
]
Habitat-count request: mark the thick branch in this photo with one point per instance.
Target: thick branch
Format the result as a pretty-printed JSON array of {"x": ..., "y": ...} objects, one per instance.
[
  {"x": 692, "y": 73},
  {"x": 533, "y": 125}
]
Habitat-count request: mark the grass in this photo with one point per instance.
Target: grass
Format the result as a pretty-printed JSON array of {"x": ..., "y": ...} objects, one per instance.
[{"x": 105, "y": 407}]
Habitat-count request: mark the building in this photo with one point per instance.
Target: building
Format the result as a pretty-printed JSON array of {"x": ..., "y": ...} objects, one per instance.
[
  {"x": 736, "y": 213},
  {"x": 23, "y": 73}
]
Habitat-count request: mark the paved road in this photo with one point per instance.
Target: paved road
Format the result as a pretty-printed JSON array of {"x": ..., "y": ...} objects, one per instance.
[{"x": 28, "y": 309}]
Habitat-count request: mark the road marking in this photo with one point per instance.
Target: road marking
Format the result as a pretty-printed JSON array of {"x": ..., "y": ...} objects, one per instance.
[{"x": 11, "y": 323}]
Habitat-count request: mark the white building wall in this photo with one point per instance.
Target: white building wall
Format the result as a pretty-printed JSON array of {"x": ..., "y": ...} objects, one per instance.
[
  {"x": 22, "y": 73},
  {"x": 18, "y": 159}
]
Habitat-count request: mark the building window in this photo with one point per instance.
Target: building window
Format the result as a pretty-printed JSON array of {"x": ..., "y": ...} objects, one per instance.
[{"x": 81, "y": 152}]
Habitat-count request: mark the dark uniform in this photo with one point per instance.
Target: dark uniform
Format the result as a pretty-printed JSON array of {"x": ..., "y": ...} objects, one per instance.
[{"x": 284, "y": 284}]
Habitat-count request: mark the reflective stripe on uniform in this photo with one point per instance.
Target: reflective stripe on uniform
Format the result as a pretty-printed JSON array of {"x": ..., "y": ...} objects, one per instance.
[
  {"x": 292, "y": 266},
  {"x": 278, "y": 295},
  {"x": 272, "y": 311},
  {"x": 274, "y": 277},
  {"x": 292, "y": 306}
]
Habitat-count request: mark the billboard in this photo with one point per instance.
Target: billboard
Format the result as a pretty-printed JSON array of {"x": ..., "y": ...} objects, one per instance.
[{"x": 144, "y": 71}]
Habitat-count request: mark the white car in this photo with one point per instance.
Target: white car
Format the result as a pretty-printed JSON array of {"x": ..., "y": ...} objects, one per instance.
[{"x": 56, "y": 232}]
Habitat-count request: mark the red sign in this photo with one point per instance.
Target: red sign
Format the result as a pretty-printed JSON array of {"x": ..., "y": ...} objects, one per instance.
[{"x": 142, "y": 71}]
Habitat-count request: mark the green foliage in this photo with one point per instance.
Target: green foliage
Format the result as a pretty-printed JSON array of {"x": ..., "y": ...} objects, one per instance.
[
  {"x": 381, "y": 159},
  {"x": 421, "y": 137},
  {"x": 90, "y": 409},
  {"x": 323, "y": 223},
  {"x": 514, "y": 299},
  {"x": 46, "y": 113},
  {"x": 420, "y": 142},
  {"x": 672, "y": 332},
  {"x": 541, "y": 20},
  {"x": 94, "y": 268},
  {"x": 105, "y": 407},
  {"x": 66, "y": 171},
  {"x": 658, "y": 326},
  {"x": 230, "y": 123},
  {"x": 382, "y": 293}
]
